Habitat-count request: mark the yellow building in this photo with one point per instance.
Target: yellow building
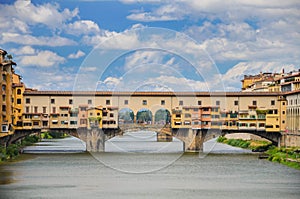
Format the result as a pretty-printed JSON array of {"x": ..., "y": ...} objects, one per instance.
[
  {"x": 94, "y": 117},
  {"x": 18, "y": 89},
  {"x": 276, "y": 116},
  {"x": 6, "y": 80}
]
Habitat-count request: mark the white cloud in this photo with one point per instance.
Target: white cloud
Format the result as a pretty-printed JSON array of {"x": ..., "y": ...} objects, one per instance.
[
  {"x": 42, "y": 58},
  {"x": 49, "y": 80},
  {"x": 25, "y": 50},
  {"x": 82, "y": 27},
  {"x": 88, "y": 69},
  {"x": 47, "y": 14},
  {"x": 271, "y": 33},
  {"x": 32, "y": 40},
  {"x": 148, "y": 17},
  {"x": 76, "y": 55}
]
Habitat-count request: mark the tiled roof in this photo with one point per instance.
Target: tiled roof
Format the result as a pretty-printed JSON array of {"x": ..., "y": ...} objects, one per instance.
[{"x": 146, "y": 93}]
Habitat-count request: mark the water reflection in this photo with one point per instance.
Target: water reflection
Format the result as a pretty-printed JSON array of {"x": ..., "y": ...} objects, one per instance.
[{"x": 6, "y": 176}]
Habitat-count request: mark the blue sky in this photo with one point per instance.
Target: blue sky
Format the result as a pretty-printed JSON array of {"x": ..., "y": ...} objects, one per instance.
[{"x": 190, "y": 45}]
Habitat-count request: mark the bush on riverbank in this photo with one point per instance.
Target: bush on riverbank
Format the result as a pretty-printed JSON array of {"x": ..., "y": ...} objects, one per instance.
[
  {"x": 13, "y": 150},
  {"x": 53, "y": 135},
  {"x": 286, "y": 156},
  {"x": 246, "y": 144}
]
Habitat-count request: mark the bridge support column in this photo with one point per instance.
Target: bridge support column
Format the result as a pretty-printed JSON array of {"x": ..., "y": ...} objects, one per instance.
[
  {"x": 196, "y": 144},
  {"x": 192, "y": 139},
  {"x": 95, "y": 140},
  {"x": 163, "y": 137}
]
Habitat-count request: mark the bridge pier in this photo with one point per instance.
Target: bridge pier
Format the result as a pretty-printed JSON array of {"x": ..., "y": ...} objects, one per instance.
[
  {"x": 192, "y": 139},
  {"x": 163, "y": 137},
  {"x": 95, "y": 140}
]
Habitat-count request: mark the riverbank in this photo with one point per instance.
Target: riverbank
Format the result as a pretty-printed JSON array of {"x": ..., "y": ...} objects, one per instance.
[
  {"x": 13, "y": 151},
  {"x": 286, "y": 156}
]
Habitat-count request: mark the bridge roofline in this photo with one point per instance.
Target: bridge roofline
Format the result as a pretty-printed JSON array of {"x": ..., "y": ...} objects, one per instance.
[{"x": 148, "y": 93}]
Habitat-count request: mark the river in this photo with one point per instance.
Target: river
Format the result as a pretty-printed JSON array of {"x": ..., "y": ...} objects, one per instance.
[{"x": 147, "y": 169}]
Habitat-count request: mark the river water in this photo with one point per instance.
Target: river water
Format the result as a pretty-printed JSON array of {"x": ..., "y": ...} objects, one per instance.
[{"x": 136, "y": 166}]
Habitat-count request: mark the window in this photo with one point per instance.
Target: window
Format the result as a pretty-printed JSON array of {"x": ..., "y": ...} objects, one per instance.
[
  {"x": 3, "y": 108},
  {"x": 73, "y": 114},
  {"x": 27, "y": 100},
  {"x": 19, "y": 101},
  {"x": 217, "y": 103},
  {"x": 283, "y": 121},
  {"x": 27, "y": 109},
  {"x": 53, "y": 109},
  {"x": 126, "y": 102},
  {"x": 215, "y": 109},
  {"x": 162, "y": 102},
  {"x": 206, "y": 109},
  {"x": 283, "y": 112},
  {"x": 44, "y": 109},
  {"x": 4, "y": 77},
  {"x": 180, "y": 103},
  {"x": 111, "y": 115},
  {"x": 89, "y": 101},
  {"x": 36, "y": 123},
  {"x": 27, "y": 116},
  {"x": 199, "y": 102},
  {"x": 19, "y": 91},
  {"x": 52, "y": 101},
  {"x": 107, "y": 102},
  {"x": 236, "y": 102},
  {"x": 272, "y": 102},
  {"x": 187, "y": 115},
  {"x": 254, "y": 102},
  {"x": 283, "y": 103},
  {"x": 70, "y": 101},
  {"x": 73, "y": 122},
  {"x": 35, "y": 109},
  {"x": 144, "y": 102},
  {"x": 82, "y": 108},
  {"x": 83, "y": 121}
]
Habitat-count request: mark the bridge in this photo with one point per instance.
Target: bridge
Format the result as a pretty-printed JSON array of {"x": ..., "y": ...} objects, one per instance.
[
  {"x": 95, "y": 137},
  {"x": 191, "y": 117}
]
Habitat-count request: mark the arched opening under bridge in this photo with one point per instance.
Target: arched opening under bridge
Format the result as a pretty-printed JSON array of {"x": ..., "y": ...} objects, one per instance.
[
  {"x": 144, "y": 116},
  {"x": 126, "y": 116},
  {"x": 162, "y": 117}
]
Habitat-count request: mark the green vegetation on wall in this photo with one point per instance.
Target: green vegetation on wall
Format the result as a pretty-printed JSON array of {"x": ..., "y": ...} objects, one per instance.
[{"x": 13, "y": 150}]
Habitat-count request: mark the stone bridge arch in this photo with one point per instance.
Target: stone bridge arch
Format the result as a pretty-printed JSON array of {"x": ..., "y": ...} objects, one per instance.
[
  {"x": 162, "y": 116},
  {"x": 144, "y": 116},
  {"x": 126, "y": 116}
]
